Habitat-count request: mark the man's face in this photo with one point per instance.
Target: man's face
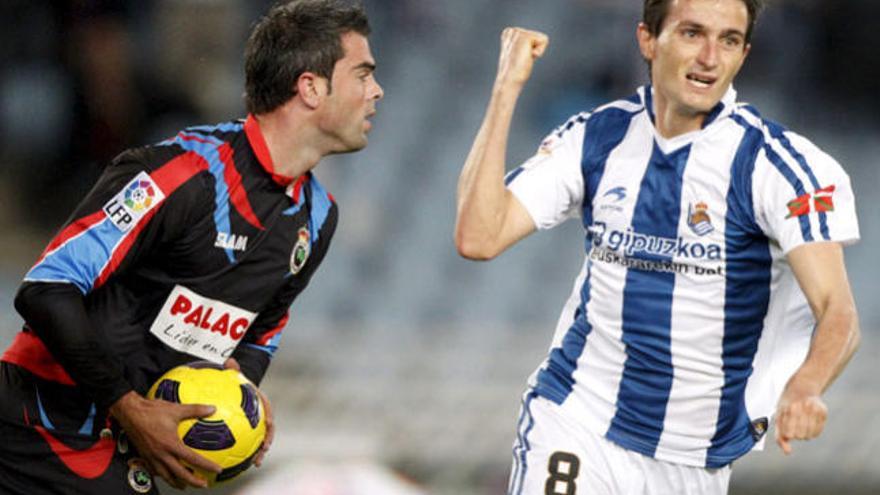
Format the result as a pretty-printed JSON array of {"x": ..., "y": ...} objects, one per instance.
[
  {"x": 700, "y": 48},
  {"x": 353, "y": 95}
]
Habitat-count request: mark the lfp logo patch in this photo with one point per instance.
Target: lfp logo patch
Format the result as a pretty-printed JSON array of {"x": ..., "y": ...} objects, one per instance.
[
  {"x": 130, "y": 204},
  {"x": 139, "y": 195}
]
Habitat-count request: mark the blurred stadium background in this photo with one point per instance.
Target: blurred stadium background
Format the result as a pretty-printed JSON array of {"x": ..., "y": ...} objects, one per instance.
[{"x": 402, "y": 366}]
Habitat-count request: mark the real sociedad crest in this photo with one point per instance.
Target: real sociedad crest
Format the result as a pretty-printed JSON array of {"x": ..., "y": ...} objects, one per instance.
[
  {"x": 301, "y": 250},
  {"x": 698, "y": 219}
]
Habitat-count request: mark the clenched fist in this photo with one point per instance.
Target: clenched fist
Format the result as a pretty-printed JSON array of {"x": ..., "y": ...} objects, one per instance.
[
  {"x": 800, "y": 415},
  {"x": 519, "y": 50}
]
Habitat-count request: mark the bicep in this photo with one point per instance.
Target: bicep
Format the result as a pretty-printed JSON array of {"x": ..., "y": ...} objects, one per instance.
[
  {"x": 821, "y": 273},
  {"x": 518, "y": 223}
]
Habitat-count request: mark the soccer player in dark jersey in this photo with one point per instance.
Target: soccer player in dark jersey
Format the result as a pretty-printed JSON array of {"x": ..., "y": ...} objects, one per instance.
[{"x": 189, "y": 249}]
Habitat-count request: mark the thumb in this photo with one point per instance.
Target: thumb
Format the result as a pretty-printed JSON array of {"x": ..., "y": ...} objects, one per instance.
[
  {"x": 187, "y": 411},
  {"x": 539, "y": 46},
  {"x": 783, "y": 443}
]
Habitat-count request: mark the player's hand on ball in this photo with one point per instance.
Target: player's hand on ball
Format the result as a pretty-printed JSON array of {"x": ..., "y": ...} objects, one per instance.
[
  {"x": 231, "y": 363},
  {"x": 151, "y": 425},
  {"x": 519, "y": 50},
  {"x": 800, "y": 414}
]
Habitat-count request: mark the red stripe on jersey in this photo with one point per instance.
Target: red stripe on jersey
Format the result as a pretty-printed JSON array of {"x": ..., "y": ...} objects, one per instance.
[
  {"x": 297, "y": 187},
  {"x": 168, "y": 177},
  {"x": 74, "y": 229},
  {"x": 237, "y": 194},
  {"x": 258, "y": 144},
  {"x": 88, "y": 463},
  {"x": 177, "y": 171},
  {"x": 29, "y": 352},
  {"x": 271, "y": 333}
]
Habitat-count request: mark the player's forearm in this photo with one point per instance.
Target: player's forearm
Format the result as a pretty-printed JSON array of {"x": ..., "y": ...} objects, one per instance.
[
  {"x": 835, "y": 340},
  {"x": 56, "y": 314},
  {"x": 482, "y": 197}
]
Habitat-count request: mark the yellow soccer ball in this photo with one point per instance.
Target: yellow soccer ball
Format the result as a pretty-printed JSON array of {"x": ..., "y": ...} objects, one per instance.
[{"x": 232, "y": 435}]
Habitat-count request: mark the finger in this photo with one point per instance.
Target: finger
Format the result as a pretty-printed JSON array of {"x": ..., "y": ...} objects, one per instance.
[
  {"x": 158, "y": 469},
  {"x": 183, "y": 475},
  {"x": 270, "y": 430},
  {"x": 232, "y": 364},
  {"x": 539, "y": 45},
  {"x": 784, "y": 444},
  {"x": 819, "y": 415},
  {"x": 187, "y": 411},
  {"x": 193, "y": 459}
]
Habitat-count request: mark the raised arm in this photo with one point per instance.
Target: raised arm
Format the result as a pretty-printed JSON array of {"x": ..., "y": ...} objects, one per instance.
[
  {"x": 489, "y": 218},
  {"x": 820, "y": 271}
]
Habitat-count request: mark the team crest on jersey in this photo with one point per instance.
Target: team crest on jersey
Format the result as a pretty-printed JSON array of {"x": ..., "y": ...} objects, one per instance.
[
  {"x": 139, "y": 479},
  {"x": 699, "y": 220},
  {"x": 301, "y": 251},
  {"x": 549, "y": 144},
  {"x": 134, "y": 201},
  {"x": 759, "y": 428}
]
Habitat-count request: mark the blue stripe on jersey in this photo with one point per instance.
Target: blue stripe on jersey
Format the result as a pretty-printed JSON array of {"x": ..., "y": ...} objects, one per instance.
[
  {"x": 747, "y": 297},
  {"x": 786, "y": 171},
  {"x": 206, "y": 146},
  {"x": 649, "y": 102},
  {"x": 513, "y": 174},
  {"x": 604, "y": 132},
  {"x": 519, "y": 473},
  {"x": 778, "y": 132},
  {"x": 555, "y": 381},
  {"x": 713, "y": 114},
  {"x": 647, "y": 312},
  {"x": 270, "y": 346},
  {"x": 319, "y": 210},
  {"x": 89, "y": 424},
  {"x": 224, "y": 127},
  {"x": 81, "y": 259}
]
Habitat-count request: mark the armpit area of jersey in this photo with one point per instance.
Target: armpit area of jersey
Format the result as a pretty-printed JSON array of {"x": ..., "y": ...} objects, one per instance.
[{"x": 56, "y": 315}]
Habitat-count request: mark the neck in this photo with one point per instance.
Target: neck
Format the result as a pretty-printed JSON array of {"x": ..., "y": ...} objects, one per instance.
[
  {"x": 293, "y": 141},
  {"x": 672, "y": 122}
]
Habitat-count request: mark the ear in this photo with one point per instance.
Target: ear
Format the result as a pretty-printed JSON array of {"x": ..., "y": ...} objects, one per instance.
[
  {"x": 311, "y": 88},
  {"x": 647, "y": 41}
]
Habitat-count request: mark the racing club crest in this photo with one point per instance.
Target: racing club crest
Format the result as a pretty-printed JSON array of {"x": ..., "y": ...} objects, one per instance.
[
  {"x": 139, "y": 479},
  {"x": 698, "y": 219},
  {"x": 301, "y": 250}
]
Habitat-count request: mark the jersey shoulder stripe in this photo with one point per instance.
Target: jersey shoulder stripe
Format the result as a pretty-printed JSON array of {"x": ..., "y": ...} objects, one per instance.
[
  {"x": 90, "y": 249},
  {"x": 776, "y": 159}
]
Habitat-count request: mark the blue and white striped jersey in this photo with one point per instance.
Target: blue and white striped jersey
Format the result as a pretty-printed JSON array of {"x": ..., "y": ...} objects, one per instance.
[{"x": 686, "y": 320}]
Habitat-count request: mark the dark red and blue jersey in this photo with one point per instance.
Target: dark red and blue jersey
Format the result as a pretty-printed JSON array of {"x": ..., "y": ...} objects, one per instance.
[{"x": 193, "y": 248}]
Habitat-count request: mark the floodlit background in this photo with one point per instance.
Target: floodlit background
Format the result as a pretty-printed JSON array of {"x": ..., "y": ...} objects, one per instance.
[{"x": 401, "y": 368}]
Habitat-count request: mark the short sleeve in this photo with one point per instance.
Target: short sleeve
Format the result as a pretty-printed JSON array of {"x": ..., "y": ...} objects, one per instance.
[
  {"x": 803, "y": 195},
  {"x": 550, "y": 185}
]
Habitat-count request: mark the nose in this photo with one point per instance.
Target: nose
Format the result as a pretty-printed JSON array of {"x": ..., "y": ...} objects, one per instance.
[
  {"x": 378, "y": 93},
  {"x": 708, "y": 56}
]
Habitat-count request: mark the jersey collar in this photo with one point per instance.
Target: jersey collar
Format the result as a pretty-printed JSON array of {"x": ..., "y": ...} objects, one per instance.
[
  {"x": 258, "y": 144},
  {"x": 722, "y": 109}
]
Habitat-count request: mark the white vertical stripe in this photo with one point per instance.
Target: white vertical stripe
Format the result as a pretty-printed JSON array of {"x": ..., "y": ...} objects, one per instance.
[
  {"x": 696, "y": 340},
  {"x": 599, "y": 371}
]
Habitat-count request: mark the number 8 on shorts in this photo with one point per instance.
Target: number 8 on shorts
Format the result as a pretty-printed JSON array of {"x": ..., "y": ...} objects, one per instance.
[{"x": 563, "y": 468}]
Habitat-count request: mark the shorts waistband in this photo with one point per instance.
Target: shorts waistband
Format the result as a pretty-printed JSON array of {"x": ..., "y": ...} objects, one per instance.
[{"x": 28, "y": 351}]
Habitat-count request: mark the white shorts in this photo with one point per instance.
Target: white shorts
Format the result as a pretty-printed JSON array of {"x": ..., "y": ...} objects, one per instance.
[{"x": 553, "y": 455}]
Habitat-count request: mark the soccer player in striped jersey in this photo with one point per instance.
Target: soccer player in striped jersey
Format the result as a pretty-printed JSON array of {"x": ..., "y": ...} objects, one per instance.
[
  {"x": 189, "y": 249},
  {"x": 713, "y": 296}
]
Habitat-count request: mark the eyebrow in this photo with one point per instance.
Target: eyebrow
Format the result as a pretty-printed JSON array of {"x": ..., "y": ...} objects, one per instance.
[
  {"x": 365, "y": 65},
  {"x": 697, "y": 25}
]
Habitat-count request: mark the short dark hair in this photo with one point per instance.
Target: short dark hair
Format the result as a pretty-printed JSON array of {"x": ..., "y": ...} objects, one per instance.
[
  {"x": 655, "y": 12},
  {"x": 295, "y": 37}
]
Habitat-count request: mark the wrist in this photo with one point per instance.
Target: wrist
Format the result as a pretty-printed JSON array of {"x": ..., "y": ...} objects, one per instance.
[
  {"x": 507, "y": 89},
  {"x": 128, "y": 400},
  {"x": 809, "y": 380}
]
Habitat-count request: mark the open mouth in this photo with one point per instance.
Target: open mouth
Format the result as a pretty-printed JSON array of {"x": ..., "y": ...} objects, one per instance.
[{"x": 701, "y": 81}]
